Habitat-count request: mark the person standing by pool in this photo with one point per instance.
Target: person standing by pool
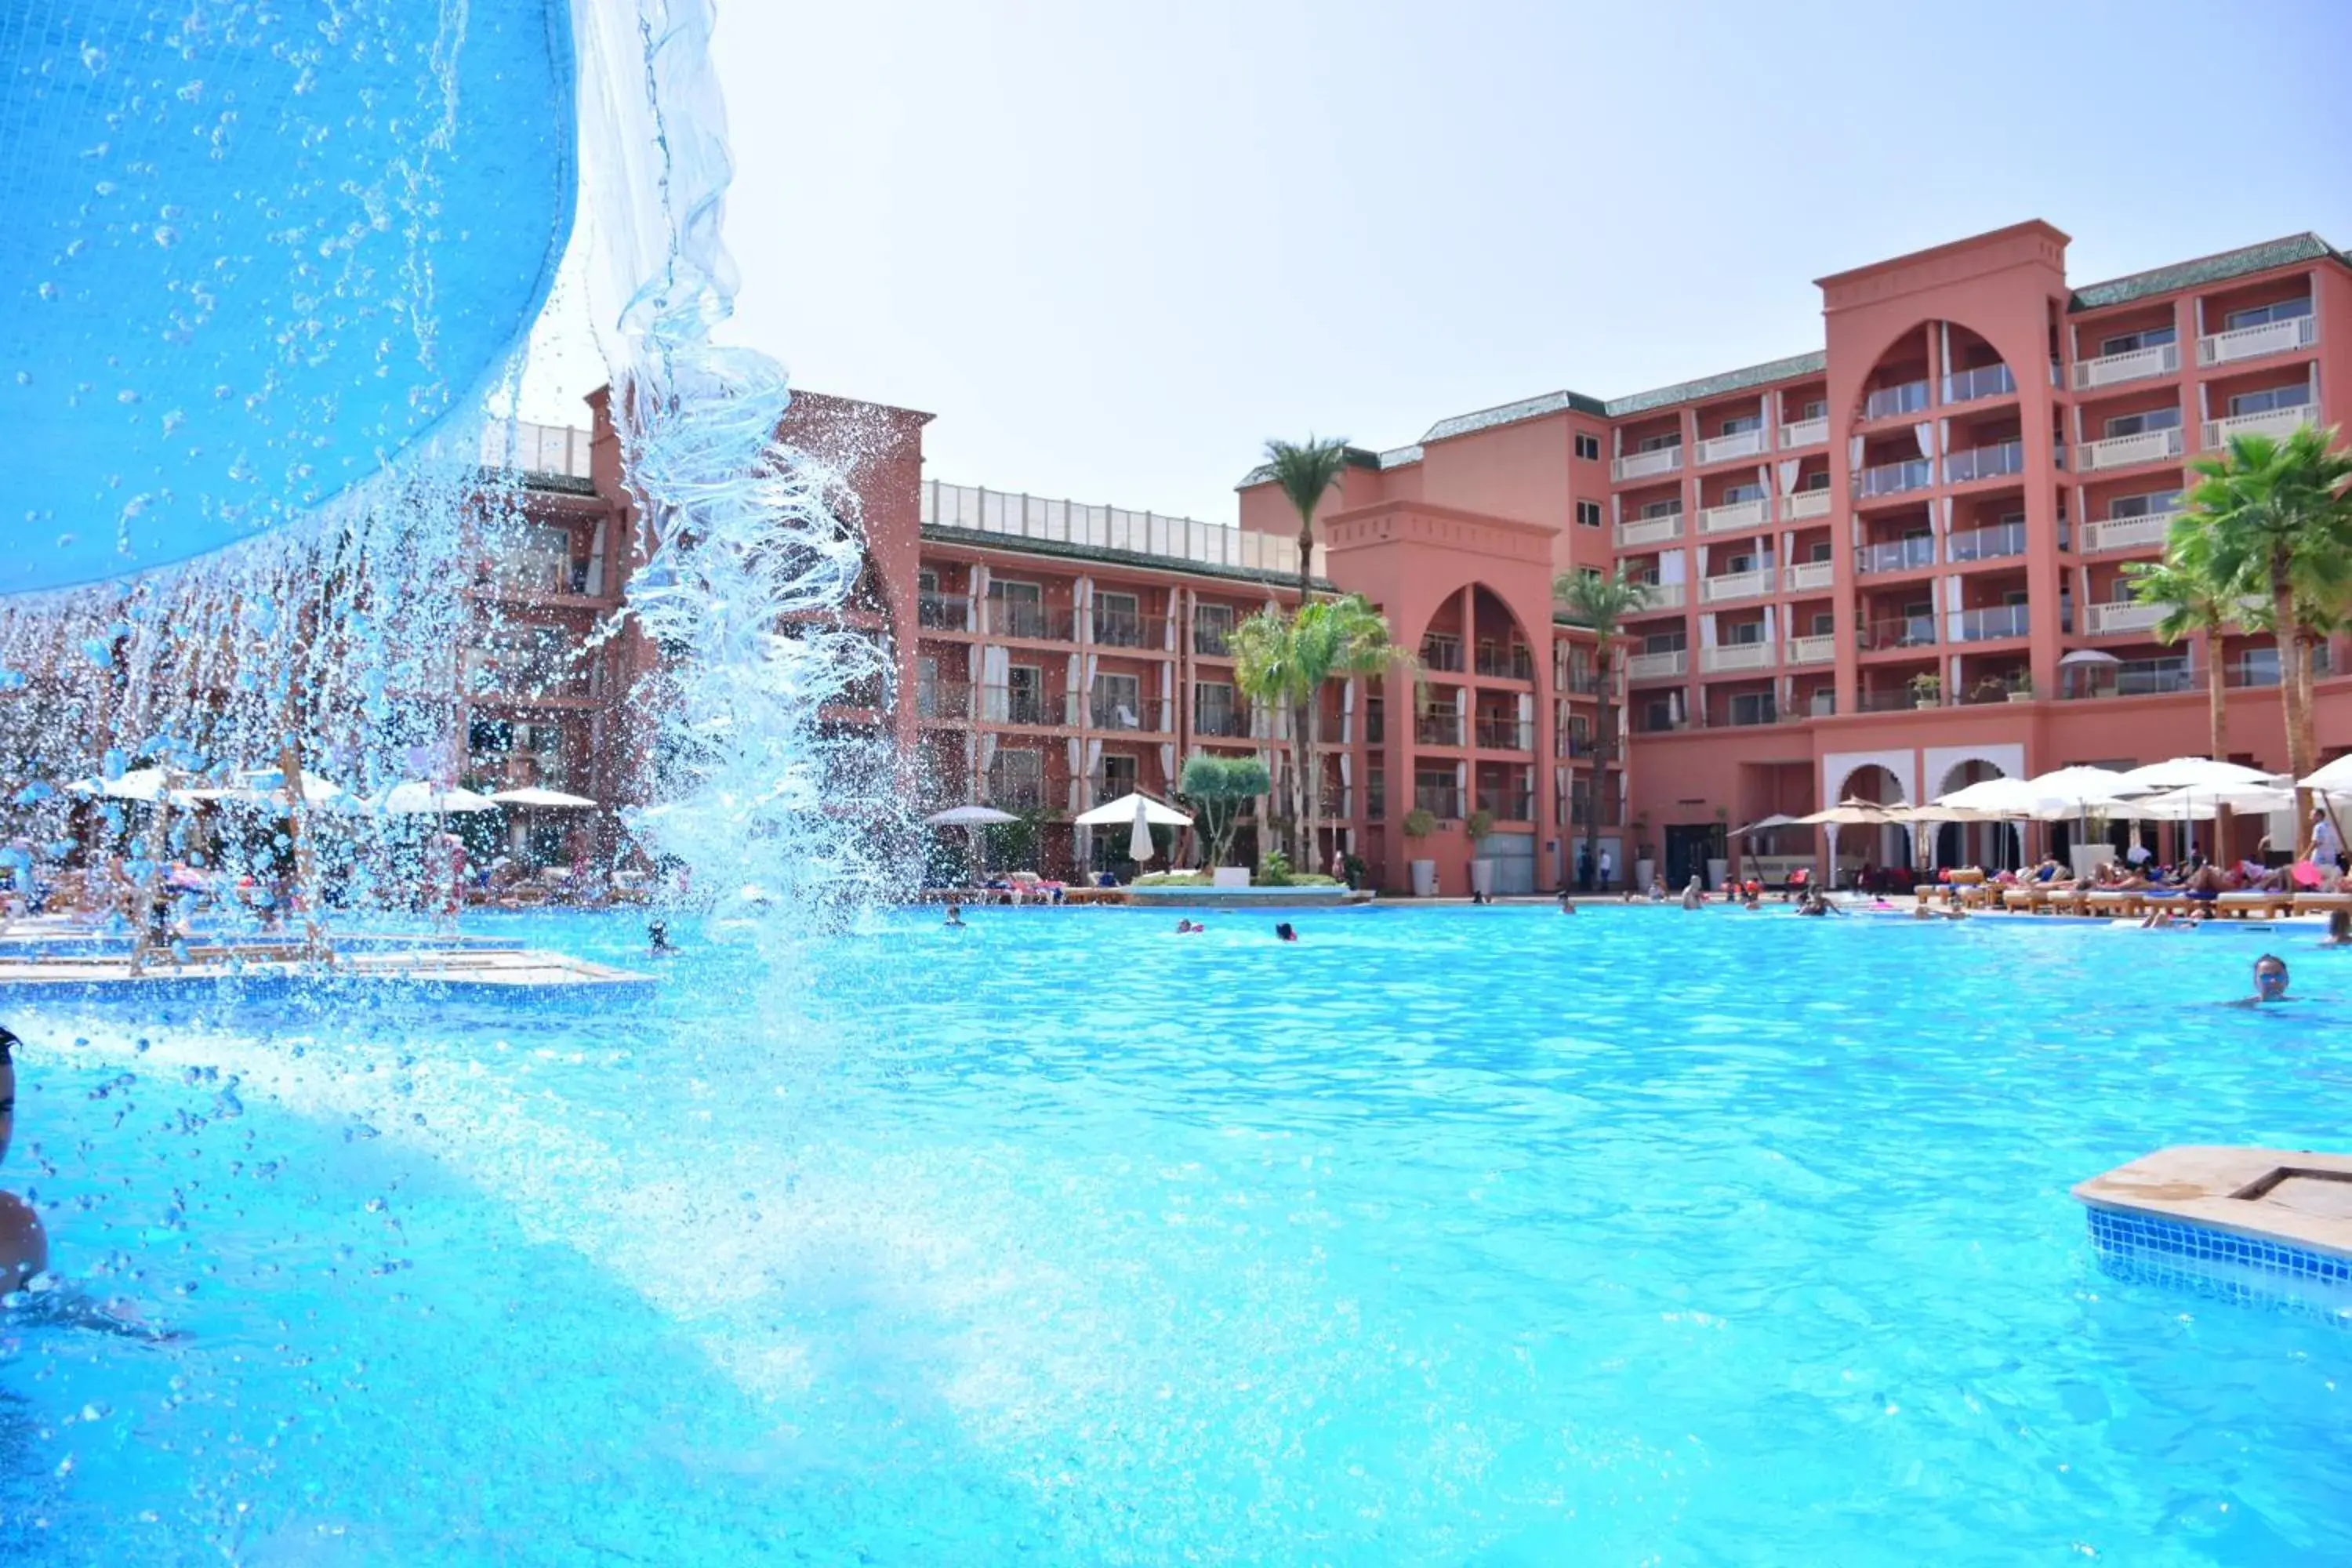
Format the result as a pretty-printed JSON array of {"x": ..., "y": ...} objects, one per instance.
[
  {"x": 2326, "y": 844},
  {"x": 23, "y": 1244},
  {"x": 1694, "y": 898},
  {"x": 1605, "y": 867}
]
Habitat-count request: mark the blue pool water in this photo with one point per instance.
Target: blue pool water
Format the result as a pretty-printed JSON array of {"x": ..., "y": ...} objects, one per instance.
[{"x": 1457, "y": 1237}]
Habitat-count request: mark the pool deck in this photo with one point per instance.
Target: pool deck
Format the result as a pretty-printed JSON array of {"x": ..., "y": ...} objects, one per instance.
[
  {"x": 2287, "y": 1196},
  {"x": 80, "y": 963}
]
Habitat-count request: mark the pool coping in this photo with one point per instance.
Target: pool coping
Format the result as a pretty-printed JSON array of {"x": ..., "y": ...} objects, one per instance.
[{"x": 2224, "y": 1209}]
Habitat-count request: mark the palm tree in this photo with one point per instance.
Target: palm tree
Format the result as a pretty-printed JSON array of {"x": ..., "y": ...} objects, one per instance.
[
  {"x": 1602, "y": 604},
  {"x": 2278, "y": 522},
  {"x": 2197, "y": 601},
  {"x": 1304, "y": 471},
  {"x": 1283, "y": 659}
]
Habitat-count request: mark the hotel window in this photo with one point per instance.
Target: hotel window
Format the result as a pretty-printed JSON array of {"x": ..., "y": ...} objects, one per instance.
[
  {"x": 2262, "y": 402},
  {"x": 1118, "y": 778},
  {"x": 1659, "y": 442},
  {"x": 1824, "y": 623},
  {"x": 927, "y": 581},
  {"x": 1116, "y": 704},
  {"x": 1752, "y": 708},
  {"x": 1020, "y": 608},
  {"x": 1016, "y": 780},
  {"x": 1214, "y": 708},
  {"x": 1662, "y": 508},
  {"x": 1663, "y": 642},
  {"x": 1820, "y": 549},
  {"x": 1814, "y": 408},
  {"x": 1741, "y": 561},
  {"x": 1119, "y": 620},
  {"x": 1213, "y": 626},
  {"x": 1588, "y": 513},
  {"x": 1658, "y": 713},
  {"x": 2132, "y": 342},
  {"x": 2139, "y": 424},
  {"x": 2262, "y": 315},
  {"x": 926, "y": 686},
  {"x": 1733, "y": 494},
  {"x": 1025, "y": 685},
  {"x": 1819, "y": 480},
  {"x": 2152, "y": 505},
  {"x": 1740, "y": 424},
  {"x": 1587, "y": 447},
  {"x": 1743, "y": 634}
]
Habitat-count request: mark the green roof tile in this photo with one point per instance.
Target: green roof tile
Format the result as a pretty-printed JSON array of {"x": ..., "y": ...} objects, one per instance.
[
  {"x": 1551, "y": 402},
  {"x": 1764, "y": 374},
  {"x": 940, "y": 533},
  {"x": 2205, "y": 269}
]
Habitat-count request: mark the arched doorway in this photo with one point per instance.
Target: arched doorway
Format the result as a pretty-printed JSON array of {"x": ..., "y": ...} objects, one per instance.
[
  {"x": 1861, "y": 848},
  {"x": 1994, "y": 845}
]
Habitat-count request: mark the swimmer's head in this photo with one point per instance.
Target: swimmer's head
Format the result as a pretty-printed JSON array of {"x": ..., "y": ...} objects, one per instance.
[
  {"x": 8, "y": 1044},
  {"x": 2269, "y": 977}
]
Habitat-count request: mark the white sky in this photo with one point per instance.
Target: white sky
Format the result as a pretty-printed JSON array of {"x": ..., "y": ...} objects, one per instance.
[{"x": 1114, "y": 247}]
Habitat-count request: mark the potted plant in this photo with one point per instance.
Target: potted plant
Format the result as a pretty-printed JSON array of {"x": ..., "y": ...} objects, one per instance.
[
  {"x": 1480, "y": 823},
  {"x": 1419, "y": 825},
  {"x": 2021, "y": 686},
  {"x": 1645, "y": 857},
  {"x": 1926, "y": 688}
]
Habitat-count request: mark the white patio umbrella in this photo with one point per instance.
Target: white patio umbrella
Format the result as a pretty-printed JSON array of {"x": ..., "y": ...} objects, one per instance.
[
  {"x": 1111, "y": 813},
  {"x": 266, "y": 786},
  {"x": 2077, "y": 792},
  {"x": 970, "y": 817},
  {"x": 2203, "y": 805},
  {"x": 1139, "y": 843},
  {"x": 2336, "y": 778},
  {"x": 143, "y": 785},
  {"x": 532, "y": 795},
  {"x": 2193, "y": 775},
  {"x": 419, "y": 798}
]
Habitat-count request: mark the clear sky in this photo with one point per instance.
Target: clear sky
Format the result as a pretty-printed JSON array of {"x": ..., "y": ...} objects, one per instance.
[{"x": 1114, "y": 246}]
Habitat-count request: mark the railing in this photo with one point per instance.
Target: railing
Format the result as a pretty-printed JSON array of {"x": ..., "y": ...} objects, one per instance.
[
  {"x": 1014, "y": 619},
  {"x": 2247, "y": 343},
  {"x": 1736, "y": 656},
  {"x": 2120, "y": 451},
  {"x": 1894, "y": 479},
  {"x": 1896, "y": 556},
  {"x": 1734, "y": 585},
  {"x": 1742, "y": 716},
  {"x": 1822, "y": 650},
  {"x": 1221, "y": 723},
  {"x": 985, "y": 510},
  {"x": 2259, "y": 666},
  {"x": 1664, "y": 597},
  {"x": 1440, "y": 800},
  {"x": 2123, "y": 616},
  {"x": 1144, "y": 714},
  {"x": 2269, "y": 422},
  {"x": 2146, "y": 531},
  {"x": 1509, "y": 804},
  {"x": 1739, "y": 444},
  {"x": 2138, "y": 678},
  {"x": 1507, "y": 734},
  {"x": 943, "y": 700},
  {"x": 1570, "y": 744},
  {"x": 1810, "y": 576},
  {"x": 1441, "y": 654},
  {"x": 536, "y": 449},
  {"x": 1519, "y": 663},
  {"x": 1739, "y": 516},
  {"x": 1995, "y": 542},
  {"x": 1582, "y": 683},
  {"x": 1003, "y": 705},
  {"x": 1902, "y": 631},
  {"x": 1641, "y": 465},
  {"x": 1985, "y": 381},
  {"x": 1804, "y": 433},
  {"x": 1213, "y": 641},
  {"x": 1645, "y": 725},
  {"x": 1438, "y": 727},
  {"x": 523, "y": 676},
  {"x": 1119, "y": 629},
  {"x": 1008, "y": 792},
  {"x": 1799, "y": 504},
  {"x": 1985, "y": 462},
  {"x": 1657, "y": 666},
  {"x": 1889, "y": 401},
  {"x": 1660, "y": 530},
  {"x": 1990, "y": 622},
  {"x": 1889, "y": 699},
  {"x": 943, "y": 612},
  {"x": 2137, "y": 364}
]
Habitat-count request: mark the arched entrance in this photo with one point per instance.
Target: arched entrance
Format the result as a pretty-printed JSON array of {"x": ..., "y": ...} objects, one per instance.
[
  {"x": 1994, "y": 845},
  {"x": 1866, "y": 851}
]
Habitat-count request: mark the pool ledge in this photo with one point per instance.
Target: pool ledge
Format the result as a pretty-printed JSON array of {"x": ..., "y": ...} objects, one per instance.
[{"x": 2280, "y": 1210}]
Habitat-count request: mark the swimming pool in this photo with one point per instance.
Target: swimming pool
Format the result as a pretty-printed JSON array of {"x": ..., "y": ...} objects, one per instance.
[{"x": 1459, "y": 1235}]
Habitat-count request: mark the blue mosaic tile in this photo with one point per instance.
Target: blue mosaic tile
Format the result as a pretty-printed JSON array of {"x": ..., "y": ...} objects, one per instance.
[{"x": 2247, "y": 1269}]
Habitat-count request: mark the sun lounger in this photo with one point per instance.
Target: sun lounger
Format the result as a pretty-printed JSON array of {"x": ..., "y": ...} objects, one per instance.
[
  {"x": 2321, "y": 904},
  {"x": 2019, "y": 899},
  {"x": 2114, "y": 901},
  {"x": 2256, "y": 905}
]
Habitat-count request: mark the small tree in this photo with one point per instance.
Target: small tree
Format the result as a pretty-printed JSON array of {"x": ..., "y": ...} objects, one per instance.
[
  {"x": 1479, "y": 823},
  {"x": 1218, "y": 787},
  {"x": 1418, "y": 824}
]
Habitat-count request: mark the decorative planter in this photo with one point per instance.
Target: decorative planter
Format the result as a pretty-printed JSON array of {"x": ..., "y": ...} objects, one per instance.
[
  {"x": 1924, "y": 703},
  {"x": 2020, "y": 697},
  {"x": 1717, "y": 871},
  {"x": 1424, "y": 878},
  {"x": 1645, "y": 871},
  {"x": 1482, "y": 878}
]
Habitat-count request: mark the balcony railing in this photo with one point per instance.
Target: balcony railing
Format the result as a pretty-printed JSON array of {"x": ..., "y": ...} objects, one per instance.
[
  {"x": 2269, "y": 422},
  {"x": 1013, "y": 792},
  {"x": 2260, "y": 667},
  {"x": 2138, "y": 365},
  {"x": 2144, "y": 533},
  {"x": 943, "y": 612},
  {"x": 1822, "y": 650},
  {"x": 1441, "y": 654},
  {"x": 1438, "y": 727},
  {"x": 1117, "y": 628},
  {"x": 1995, "y": 542},
  {"x": 1512, "y": 664},
  {"x": 1664, "y": 597},
  {"x": 1032, "y": 621},
  {"x": 943, "y": 700},
  {"x": 1888, "y": 700},
  {"x": 1743, "y": 715},
  {"x": 1889, "y": 401},
  {"x": 1991, "y": 622},
  {"x": 1642, "y": 464},
  {"x": 1660, "y": 530},
  {"x": 1734, "y": 585},
  {"x": 1986, "y": 381},
  {"x": 2137, "y": 677},
  {"x": 1804, "y": 433},
  {"x": 1985, "y": 462},
  {"x": 2249, "y": 342},
  {"x": 1737, "y": 517},
  {"x": 1799, "y": 504},
  {"x": 1507, "y": 734},
  {"x": 1144, "y": 714},
  {"x": 1810, "y": 576},
  {"x": 1004, "y": 705},
  {"x": 1060, "y": 521},
  {"x": 1664, "y": 666},
  {"x": 1442, "y": 801},
  {"x": 1221, "y": 723},
  {"x": 1213, "y": 639},
  {"x": 2125, "y": 615},
  {"x": 1736, "y": 656},
  {"x": 2122, "y": 451},
  {"x": 1739, "y": 444},
  {"x": 1507, "y": 804},
  {"x": 1902, "y": 631},
  {"x": 1895, "y": 555},
  {"x": 1894, "y": 479}
]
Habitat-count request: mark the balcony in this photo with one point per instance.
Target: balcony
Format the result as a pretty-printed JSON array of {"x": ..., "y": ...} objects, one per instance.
[
  {"x": 1213, "y": 639},
  {"x": 1148, "y": 714},
  {"x": 1221, "y": 723},
  {"x": 1894, "y": 479},
  {"x": 943, "y": 612},
  {"x": 1797, "y": 505},
  {"x": 1507, "y": 804},
  {"x": 1442, "y": 801},
  {"x": 1739, "y": 517},
  {"x": 1736, "y": 656},
  {"x": 1035, "y": 622},
  {"x": 1889, "y": 401},
  {"x": 2122, "y": 451},
  {"x": 1438, "y": 727},
  {"x": 1645, "y": 464},
  {"x": 1810, "y": 576},
  {"x": 2126, "y": 615},
  {"x": 1991, "y": 623},
  {"x": 1516, "y": 663},
  {"x": 1985, "y": 462},
  {"x": 1662, "y": 596},
  {"x": 1505, "y": 735},
  {"x": 1822, "y": 650},
  {"x": 2140, "y": 677},
  {"x": 1441, "y": 654},
  {"x": 2277, "y": 422},
  {"x": 1901, "y": 631},
  {"x": 1662, "y": 529},
  {"x": 2251, "y": 343},
  {"x": 1010, "y": 791},
  {"x": 2115, "y": 370},
  {"x": 1003, "y": 705},
  {"x": 943, "y": 700},
  {"x": 1746, "y": 713},
  {"x": 1986, "y": 381},
  {"x": 1997, "y": 542},
  {"x": 2147, "y": 532},
  {"x": 1670, "y": 665},
  {"x": 1896, "y": 556},
  {"x": 1120, "y": 629},
  {"x": 1739, "y": 444},
  {"x": 1735, "y": 586},
  {"x": 1804, "y": 433}
]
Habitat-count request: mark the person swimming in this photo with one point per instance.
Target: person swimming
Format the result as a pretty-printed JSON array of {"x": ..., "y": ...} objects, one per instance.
[
  {"x": 1189, "y": 927},
  {"x": 2270, "y": 979},
  {"x": 955, "y": 917},
  {"x": 1285, "y": 933},
  {"x": 658, "y": 938}
]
